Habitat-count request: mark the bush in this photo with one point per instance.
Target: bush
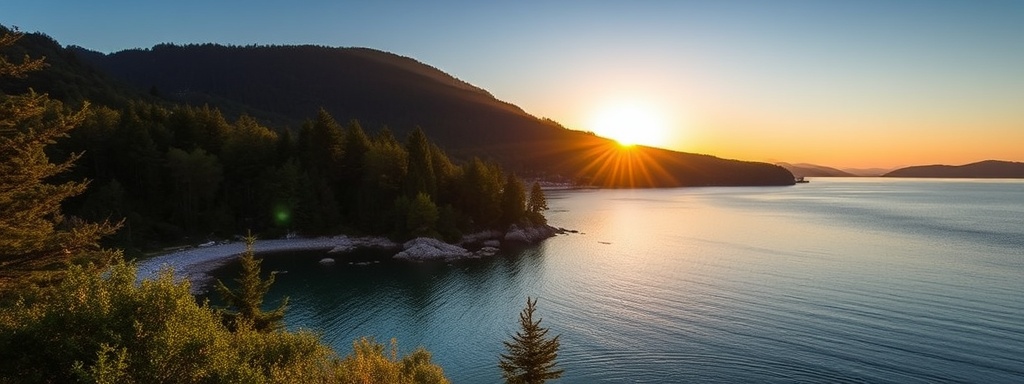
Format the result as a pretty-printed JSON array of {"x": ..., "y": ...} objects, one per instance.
[{"x": 104, "y": 327}]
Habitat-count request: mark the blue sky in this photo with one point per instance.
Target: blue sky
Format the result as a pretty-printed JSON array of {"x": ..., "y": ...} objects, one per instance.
[{"x": 859, "y": 83}]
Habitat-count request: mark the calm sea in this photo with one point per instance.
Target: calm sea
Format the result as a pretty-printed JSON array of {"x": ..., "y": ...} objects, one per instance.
[{"x": 838, "y": 280}]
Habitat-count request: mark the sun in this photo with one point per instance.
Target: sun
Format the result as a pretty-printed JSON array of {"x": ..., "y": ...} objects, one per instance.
[{"x": 631, "y": 124}]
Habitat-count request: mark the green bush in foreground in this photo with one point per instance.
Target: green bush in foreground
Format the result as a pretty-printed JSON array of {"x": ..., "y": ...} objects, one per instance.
[{"x": 106, "y": 328}]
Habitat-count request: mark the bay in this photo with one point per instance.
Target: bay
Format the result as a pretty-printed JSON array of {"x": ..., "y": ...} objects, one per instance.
[{"x": 837, "y": 280}]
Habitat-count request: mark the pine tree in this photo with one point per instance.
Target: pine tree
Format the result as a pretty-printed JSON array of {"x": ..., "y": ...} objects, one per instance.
[
  {"x": 513, "y": 201},
  {"x": 36, "y": 241},
  {"x": 421, "y": 218},
  {"x": 537, "y": 205},
  {"x": 531, "y": 355},
  {"x": 420, "y": 177},
  {"x": 247, "y": 299}
]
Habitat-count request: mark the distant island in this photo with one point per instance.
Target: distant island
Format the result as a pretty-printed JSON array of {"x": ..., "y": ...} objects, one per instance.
[{"x": 988, "y": 169}]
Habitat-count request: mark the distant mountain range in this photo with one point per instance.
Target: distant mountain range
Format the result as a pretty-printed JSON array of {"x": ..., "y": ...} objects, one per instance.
[
  {"x": 811, "y": 170},
  {"x": 868, "y": 172},
  {"x": 283, "y": 86},
  {"x": 989, "y": 169},
  {"x": 979, "y": 170}
]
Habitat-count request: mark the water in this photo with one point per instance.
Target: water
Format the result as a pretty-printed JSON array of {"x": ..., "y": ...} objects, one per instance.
[{"x": 838, "y": 280}]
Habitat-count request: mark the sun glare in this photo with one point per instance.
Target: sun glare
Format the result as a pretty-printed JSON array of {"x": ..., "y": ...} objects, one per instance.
[{"x": 631, "y": 124}]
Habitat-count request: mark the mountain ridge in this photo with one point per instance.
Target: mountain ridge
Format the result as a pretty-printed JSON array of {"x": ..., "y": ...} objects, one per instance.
[
  {"x": 986, "y": 169},
  {"x": 814, "y": 170},
  {"x": 285, "y": 86}
]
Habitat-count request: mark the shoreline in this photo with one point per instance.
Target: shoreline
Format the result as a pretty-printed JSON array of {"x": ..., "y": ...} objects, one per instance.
[{"x": 195, "y": 264}]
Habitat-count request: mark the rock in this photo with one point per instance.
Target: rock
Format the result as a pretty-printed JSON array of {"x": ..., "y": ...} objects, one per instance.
[
  {"x": 344, "y": 244},
  {"x": 327, "y": 261},
  {"x": 486, "y": 252},
  {"x": 529, "y": 235},
  {"x": 425, "y": 248},
  {"x": 492, "y": 244},
  {"x": 342, "y": 248}
]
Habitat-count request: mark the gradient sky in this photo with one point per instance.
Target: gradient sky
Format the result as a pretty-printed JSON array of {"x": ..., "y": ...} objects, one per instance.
[{"x": 845, "y": 84}]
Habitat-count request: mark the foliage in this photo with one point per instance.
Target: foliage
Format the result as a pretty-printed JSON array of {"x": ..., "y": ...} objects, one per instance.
[
  {"x": 536, "y": 205},
  {"x": 420, "y": 178},
  {"x": 371, "y": 363},
  {"x": 36, "y": 240},
  {"x": 247, "y": 299},
  {"x": 479, "y": 193},
  {"x": 422, "y": 216},
  {"x": 513, "y": 201},
  {"x": 531, "y": 356},
  {"x": 106, "y": 327}
]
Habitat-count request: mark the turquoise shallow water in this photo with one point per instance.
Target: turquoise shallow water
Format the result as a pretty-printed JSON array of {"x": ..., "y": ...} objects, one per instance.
[{"x": 838, "y": 280}]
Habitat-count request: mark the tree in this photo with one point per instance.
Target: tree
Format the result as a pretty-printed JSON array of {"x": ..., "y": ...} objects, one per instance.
[
  {"x": 531, "y": 355},
  {"x": 371, "y": 362},
  {"x": 247, "y": 299},
  {"x": 351, "y": 169},
  {"x": 537, "y": 204},
  {"x": 386, "y": 167},
  {"x": 36, "y": 240},
  {"x": 197, "y": 177},
  {"x": 513, "y": 201},
  {"x": 421, "y": 218},
  {"x": 479, "y": 194},
  {"x": 420, "y": 176}
]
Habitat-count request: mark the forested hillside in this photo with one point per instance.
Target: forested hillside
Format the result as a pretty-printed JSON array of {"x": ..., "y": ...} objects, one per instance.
[
  {"x": 206, "y": 141},
  {"x": 284, "y": 85}
]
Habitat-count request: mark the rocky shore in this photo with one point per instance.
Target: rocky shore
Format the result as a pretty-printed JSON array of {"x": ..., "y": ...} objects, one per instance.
[{"x": 196, "y": 264}]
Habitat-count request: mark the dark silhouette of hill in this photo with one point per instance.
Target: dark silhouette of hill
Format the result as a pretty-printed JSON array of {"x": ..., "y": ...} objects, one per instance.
[
  {"x": 67, "y": 76},
  {"x": 988, "y": 169},
  {"x": 868, "y": 172},
  {"x": 812, "y": 170},
  {"x": 286, "y": 85}
]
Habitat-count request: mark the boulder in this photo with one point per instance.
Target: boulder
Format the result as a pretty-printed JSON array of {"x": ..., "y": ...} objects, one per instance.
[
  {"x": 327, "y": 261},
  {"x": 486, "y": 252},
  {"x": 425, "y": 248},
  {"x": 529, "y": 235}
]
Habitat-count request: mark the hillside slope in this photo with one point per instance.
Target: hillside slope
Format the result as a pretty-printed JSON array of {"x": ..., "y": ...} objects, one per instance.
[
  {"x": 988, "y": 169},
  {"x": 285, "y": 85},
  {"x": 812, "y": 170}
]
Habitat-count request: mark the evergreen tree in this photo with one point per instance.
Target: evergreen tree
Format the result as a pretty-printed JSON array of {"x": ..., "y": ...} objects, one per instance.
[
  {"x": 351, "y": 168},
  {"x": 537, "y": 205},
  {"x": 321, "y": 145},
  {"x": 531, "y": 355},
  {"x": 479, "y": 193},
  {"x": 513, "y": 201},
  {"x": 422, "y": 216},
  {"x": 197, "y": 177},
  {"x": 36, "y": 240},
  {"x": 247, "y": 299},
  {"x": 421, "y": 169},
  {"x": 386, "y": 167}
]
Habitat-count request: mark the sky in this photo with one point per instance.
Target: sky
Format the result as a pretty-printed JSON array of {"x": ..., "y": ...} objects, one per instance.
[{"x": 852, "y": 84}]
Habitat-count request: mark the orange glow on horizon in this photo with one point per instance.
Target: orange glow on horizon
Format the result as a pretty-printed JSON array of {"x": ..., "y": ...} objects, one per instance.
[{"x": 617, "y": 165}]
